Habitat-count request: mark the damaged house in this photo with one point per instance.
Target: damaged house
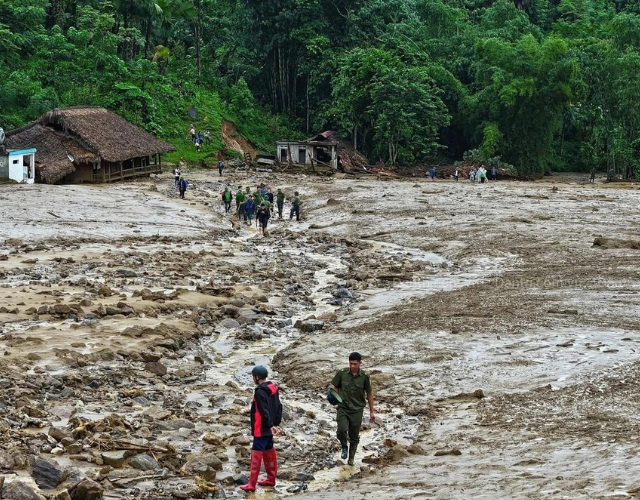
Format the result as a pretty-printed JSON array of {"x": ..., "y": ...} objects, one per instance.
[
  {"x": 88, "y": 144},
  {"x": 326, "y": 150}
]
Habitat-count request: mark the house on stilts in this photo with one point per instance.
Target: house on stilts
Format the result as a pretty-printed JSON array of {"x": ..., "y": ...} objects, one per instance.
[{"x": 88, "y": 144}]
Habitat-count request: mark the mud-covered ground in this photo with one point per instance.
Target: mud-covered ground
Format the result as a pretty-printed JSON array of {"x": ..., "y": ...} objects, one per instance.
[{"x": 501, "y": 342}]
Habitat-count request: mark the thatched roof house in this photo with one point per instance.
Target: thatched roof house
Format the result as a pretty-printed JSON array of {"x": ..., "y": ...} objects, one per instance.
[{"x": 88, "y": 144}]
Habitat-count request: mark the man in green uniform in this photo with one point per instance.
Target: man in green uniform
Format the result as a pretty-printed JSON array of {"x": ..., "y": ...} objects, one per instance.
[
  {"x": 280, "y": 202},
  {"x": 239, "y": 201},
  {"x": 352, "y": 384}
]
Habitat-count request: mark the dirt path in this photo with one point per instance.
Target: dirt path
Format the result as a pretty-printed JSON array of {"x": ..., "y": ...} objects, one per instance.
[{"x": 490, "y": 323}]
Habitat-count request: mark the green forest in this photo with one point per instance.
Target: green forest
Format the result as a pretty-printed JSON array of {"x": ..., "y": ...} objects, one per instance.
[{"x": 534, "y": 84}]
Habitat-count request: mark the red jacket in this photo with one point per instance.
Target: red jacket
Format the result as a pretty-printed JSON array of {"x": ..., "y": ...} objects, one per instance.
[{"x": 266, "y": 410}]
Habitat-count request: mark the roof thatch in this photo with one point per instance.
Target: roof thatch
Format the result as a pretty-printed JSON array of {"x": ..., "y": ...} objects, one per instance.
[
  {"x": 66, "y": 137},
  {"x": 52, "y": 160},
  {"x": 103, "y": 131}
]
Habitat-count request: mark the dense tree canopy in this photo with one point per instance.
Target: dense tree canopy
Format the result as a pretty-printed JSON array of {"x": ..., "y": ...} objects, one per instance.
[{"x": 541, "y": 84}]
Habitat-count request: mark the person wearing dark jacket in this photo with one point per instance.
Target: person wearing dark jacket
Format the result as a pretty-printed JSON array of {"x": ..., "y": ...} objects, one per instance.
[
  {"x": 262, "y": 217},
  {"x": 266, "y": 415},
  {"x": 182, "y": 186}
]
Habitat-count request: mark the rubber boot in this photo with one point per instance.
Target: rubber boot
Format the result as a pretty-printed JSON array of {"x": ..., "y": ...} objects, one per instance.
[
  {"x": 352, "y": 454},
  {"x": 271, "y": 466},
  {"x": 254, "y": 470},
  {"x": 343, "y": 452}
]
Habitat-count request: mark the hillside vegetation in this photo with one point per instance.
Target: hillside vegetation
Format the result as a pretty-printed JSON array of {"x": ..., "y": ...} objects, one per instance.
[{"x": 539, "y": 84}]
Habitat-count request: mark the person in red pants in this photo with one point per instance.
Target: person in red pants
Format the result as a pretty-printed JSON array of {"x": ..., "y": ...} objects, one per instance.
[{"x": 266, "y": 414}]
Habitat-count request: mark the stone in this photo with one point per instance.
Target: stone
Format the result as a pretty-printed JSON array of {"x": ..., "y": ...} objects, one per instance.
[
  {"x": 311, "y": 325},
  {"x": 150, "y": 357},
  {"x": 144, "y": 462},
  {"x": 230, "y": 324},
  {"x": 304, "y": 477},
  {"x": 157, "y": 413},
  {"x": 231, "y": 310},
  {"x": 174, "y": 425},
  {"x": 212, "y": 439},
  {"x": 343, "y": 293},
  {"x": 6, "y": 461},
  {"x": 115, "y": 458},
  {"x": 47, "y": 474},
  {"x": 63, "y": 495},
  {"x": 206, "y": 464},
  {"x": 86, "y": 490},
  {"x": 156, "y": 367},
  {"x": 126, "y": 273},
  {"x": 58, "y": 433},
  {"x": 17, "y": 490}
]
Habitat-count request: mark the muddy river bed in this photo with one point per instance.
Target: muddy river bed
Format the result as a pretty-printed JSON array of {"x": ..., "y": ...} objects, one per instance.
[{"x": 502, "y": 342}]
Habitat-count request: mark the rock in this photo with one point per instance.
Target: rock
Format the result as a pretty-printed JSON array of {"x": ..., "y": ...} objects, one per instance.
[
  {"x": 47, "y": 474},
  {"x": 174, "y": 425},
  {"x": 63, "y": 495},
  {"x": 231, "y": 310},
  {"x": 454, "y": 451},
  {"x": 6, "y": 461},
  {"x": 144, "y": 462},
  {"x": 204, "y": 466},
  {"x": 58, "y": 433},
  {"x": 126, "y": 273},
  {"x": 304, "y": 477},
  {"x": 230, "y": 324},
  {"x": 86, "y": 490},
  {"x": 150, "y": 357},
  {"x": 343, "y": 293},
  {"x": 240, "y": 479},
  {"x": 156, "y": 367},
  {"x": 212, "y": 439},
  {"x": 157, "y": 413},
  {"x": 311, "y": 325},
  {"x": 17, "y": 490},
  {"x": 115, "y": 458}
]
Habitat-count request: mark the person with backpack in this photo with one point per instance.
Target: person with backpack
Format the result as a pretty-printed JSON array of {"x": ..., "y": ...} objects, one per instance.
[
  {"x": 227, "y": 196},
  {"x": 295, "y": 207},
  {"x": 239, "y": 201},
  {"x": 262, "y": 216},
  {"x": 280, "y": 202},
  {"x": 249, "y": 208},
  {"x": 183, "y": 184},
  {"x": 354, "y": 388},
  {"x": 266, "y": 415}
]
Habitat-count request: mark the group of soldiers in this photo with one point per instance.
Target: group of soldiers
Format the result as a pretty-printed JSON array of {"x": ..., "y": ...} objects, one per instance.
[
  {"x": 352, "y": 389},
  {"x": 259, "y": 204}
]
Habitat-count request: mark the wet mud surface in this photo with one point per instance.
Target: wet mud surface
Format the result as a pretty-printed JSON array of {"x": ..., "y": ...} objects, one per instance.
[{"x": 501, "y": 342}]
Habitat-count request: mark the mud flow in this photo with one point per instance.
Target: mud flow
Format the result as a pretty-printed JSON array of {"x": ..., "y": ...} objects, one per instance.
[{"x": 499, "y": 323}]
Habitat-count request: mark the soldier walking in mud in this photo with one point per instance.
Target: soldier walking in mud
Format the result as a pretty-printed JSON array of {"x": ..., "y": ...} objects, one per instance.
[
  {"x": 239, "y": 201},
  {"x": 352, "y": 384},
  {"x": 266, "y": 415},
  {"x": 226, "y": 198},
  {"x": 280, "y": 202},
  {"x": 295, "y": 207}
]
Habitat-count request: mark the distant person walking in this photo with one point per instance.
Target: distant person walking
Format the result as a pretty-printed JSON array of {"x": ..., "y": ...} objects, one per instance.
[
  {"x": 192, "y": 131},
  {"x": 227, "y": 196},
  {"x": 182, "y": 187},
  {"x": 266, "y": 415},
  {"x": 176, "y": 175},
  {"x": 456, "y": 175},
  {"x": 280, "y": 202},
  {"x": 353, "y": 385},
  {"x": 494, "y": 174},
  {"x": 592, "y": 176},
  {"x": 432, "y": 173},
  {"x": 295, "y": 206}
]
